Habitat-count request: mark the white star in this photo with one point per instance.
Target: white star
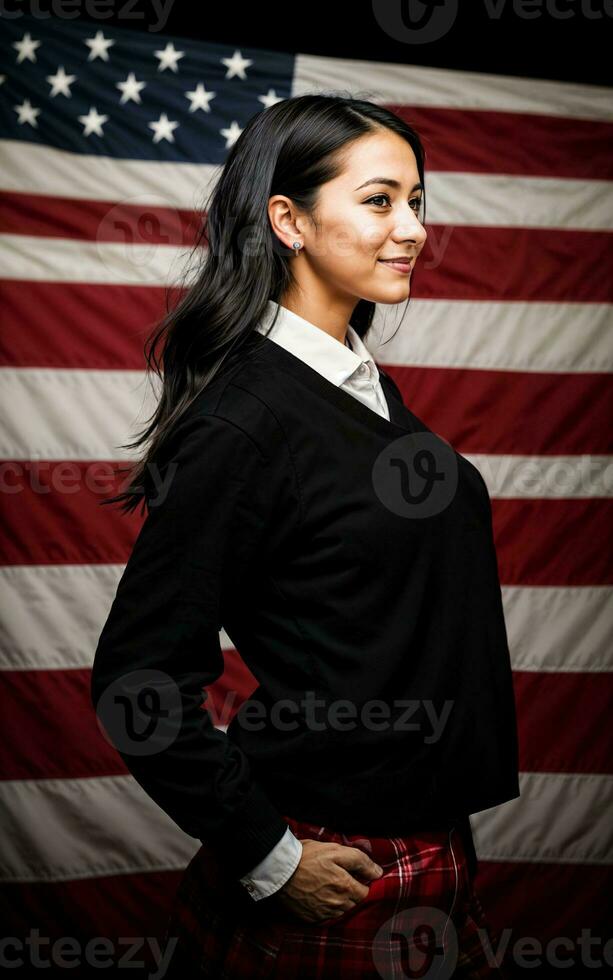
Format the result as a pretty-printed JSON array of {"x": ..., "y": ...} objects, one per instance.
[
  {"x": 270, "y": 98},
  {"x": 169, "y": 57},
  {"x": 61, "y": 82},
  {"x": 93, "y": 122},
  {"x": 236, "y": 65},
  {"x": 199, "y": 98},
  {"x": 163, "y": 129},
  {"x": 26, "y": 48},
  {"x": 98, "y": 46},
  {"x": 27, "y": 113},
  {"x": 232, "y": 133},
  {"x": 130, "y": 89}
]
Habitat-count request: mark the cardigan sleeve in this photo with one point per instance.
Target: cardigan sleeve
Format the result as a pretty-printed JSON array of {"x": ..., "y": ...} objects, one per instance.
[{"x": 197, "y": 548}]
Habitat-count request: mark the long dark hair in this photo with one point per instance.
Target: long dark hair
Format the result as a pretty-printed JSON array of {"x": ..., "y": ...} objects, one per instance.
[{"x": 290, "y": 148}]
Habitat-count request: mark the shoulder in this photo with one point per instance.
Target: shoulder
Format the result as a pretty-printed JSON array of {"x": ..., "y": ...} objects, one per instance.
[
  {"x": 243, "y": 398},
  {"x": 231, "y": 421}
]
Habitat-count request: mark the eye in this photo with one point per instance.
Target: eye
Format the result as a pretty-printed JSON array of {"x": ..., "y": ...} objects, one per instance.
[
  {"x": 377, "y": 197},
  {"x": 415, "y": 202}
]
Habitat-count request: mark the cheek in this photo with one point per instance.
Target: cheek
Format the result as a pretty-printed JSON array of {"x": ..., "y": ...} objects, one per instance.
[
  {"x": 372, "y": 234},
  {"x": 355, "y": 236}
]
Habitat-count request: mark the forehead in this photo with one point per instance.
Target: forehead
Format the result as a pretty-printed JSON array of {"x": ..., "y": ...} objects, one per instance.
[{"x": 380, "y": 154}]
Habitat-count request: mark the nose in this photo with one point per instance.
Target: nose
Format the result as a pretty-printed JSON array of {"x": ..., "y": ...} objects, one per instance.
[{"x": 410, "y": 229}]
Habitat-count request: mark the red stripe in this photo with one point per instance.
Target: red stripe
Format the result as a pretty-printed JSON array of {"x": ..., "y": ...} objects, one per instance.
[
  {"x": 546, "y": 265},
  {"x": 539, "y": 902},
  {"x": 553, "y": 542},
  {"x": 55, "y": 518},
  {"x": 120, "y": 915},
  {"x": 95, "y": 221},
  {"x": 457, "y": 262},
  {"x": 556, "y": 713},
  {"x": 83, "y": 326},
  {"x": 36, "y": 699},
  {"x": 481, "y": 411},
  {"x": 519, "y": 143}
]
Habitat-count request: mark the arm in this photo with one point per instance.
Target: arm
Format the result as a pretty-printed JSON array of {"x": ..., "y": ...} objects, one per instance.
[
  {"x": 200, "y": 544},
  {"x": 271, "y": 873}
]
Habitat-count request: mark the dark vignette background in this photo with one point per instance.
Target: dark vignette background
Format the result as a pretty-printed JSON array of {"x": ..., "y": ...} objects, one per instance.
[{"x": 569, "y": 40}]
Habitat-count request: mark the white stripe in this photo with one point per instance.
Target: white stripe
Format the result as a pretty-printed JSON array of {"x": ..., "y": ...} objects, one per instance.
[
  {"x": 53, "y": 616},
  {"x": 451, "y": 198},
  {"x": 51, "y": 414},
  {"x": 497, "y": 336},
  {"x": 63, "y": 414},
  {"x": 34, "y": 259},
  {"x": 559, "y": 818},
  {"x": 559, "y": 628},
  {"x": 546, "y": 477},
  {"x": 518, "y": 202},
  {"x": 32, "y": 169},
  {"x": 407, "y": 85},
  {"x": 92, "y": 826},
  {"x": 116, "y": 828}
]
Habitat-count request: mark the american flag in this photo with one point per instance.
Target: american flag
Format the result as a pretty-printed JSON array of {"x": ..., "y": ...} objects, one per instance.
[{"x": 110, "y": 141}]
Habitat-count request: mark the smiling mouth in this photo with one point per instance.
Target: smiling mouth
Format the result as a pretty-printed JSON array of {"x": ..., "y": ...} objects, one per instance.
[{"x": 400, "y": 265}]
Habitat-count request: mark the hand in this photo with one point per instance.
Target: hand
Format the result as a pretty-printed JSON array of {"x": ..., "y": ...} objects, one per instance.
[{"x": 326, "y": 882}]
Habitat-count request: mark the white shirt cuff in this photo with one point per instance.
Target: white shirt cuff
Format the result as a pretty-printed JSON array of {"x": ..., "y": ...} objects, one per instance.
[{"x": 275, "y": 869}]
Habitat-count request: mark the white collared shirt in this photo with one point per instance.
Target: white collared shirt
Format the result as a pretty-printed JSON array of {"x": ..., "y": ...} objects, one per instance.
[{"x": 352, "y": 368}]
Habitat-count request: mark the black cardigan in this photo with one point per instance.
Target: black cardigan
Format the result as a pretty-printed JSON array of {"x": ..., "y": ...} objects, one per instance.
[{"x": 351, "y": 561}]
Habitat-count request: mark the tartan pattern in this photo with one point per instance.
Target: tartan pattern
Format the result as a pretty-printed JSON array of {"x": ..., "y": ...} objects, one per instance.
[{"x": 421, "y": 918}]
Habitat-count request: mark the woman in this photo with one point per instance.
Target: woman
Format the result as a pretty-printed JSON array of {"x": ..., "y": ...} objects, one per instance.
[{"x": 346, "y": 549}]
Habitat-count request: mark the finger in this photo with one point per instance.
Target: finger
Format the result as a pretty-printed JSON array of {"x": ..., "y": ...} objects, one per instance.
[{"x": 356, "y": 861}]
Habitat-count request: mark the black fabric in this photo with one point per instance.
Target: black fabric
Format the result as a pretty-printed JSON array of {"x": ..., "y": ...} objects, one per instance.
[{"x": 287, "y": 523}]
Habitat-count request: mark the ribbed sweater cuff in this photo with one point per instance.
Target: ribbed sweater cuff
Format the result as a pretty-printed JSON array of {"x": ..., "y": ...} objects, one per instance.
[{"x": 250, "y": 833}]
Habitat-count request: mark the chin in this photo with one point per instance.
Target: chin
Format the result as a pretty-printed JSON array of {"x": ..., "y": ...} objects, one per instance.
[
  {"x": 395, "y": 292},
  {"x": 398, "y": 294}
]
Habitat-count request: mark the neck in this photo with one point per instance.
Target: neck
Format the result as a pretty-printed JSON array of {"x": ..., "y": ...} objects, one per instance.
[{"x": 323, "y": 318}]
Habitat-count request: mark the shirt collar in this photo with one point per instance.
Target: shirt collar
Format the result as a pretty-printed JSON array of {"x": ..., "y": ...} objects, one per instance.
[{"x": 335, "y": 361}]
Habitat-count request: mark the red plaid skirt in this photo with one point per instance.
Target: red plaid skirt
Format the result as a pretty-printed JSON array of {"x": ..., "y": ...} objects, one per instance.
[{"x": 422, "y": 917}]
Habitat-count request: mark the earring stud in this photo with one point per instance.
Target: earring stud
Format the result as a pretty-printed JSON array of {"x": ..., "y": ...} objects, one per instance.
[{"x": 296, "y": 245}]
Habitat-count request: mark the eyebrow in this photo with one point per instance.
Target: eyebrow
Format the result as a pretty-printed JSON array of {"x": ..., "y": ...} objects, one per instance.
[{"x": 390, "y": 183}]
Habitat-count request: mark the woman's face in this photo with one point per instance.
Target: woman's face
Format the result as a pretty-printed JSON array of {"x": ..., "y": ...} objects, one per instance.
[{"x": 362, "y": 221}]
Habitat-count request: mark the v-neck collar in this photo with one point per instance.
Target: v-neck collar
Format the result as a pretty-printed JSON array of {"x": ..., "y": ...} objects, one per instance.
[{"x": 401, "y": 420}]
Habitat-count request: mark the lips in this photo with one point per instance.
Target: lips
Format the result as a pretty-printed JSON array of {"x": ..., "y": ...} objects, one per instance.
[{"x": 399, "y": 265}]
